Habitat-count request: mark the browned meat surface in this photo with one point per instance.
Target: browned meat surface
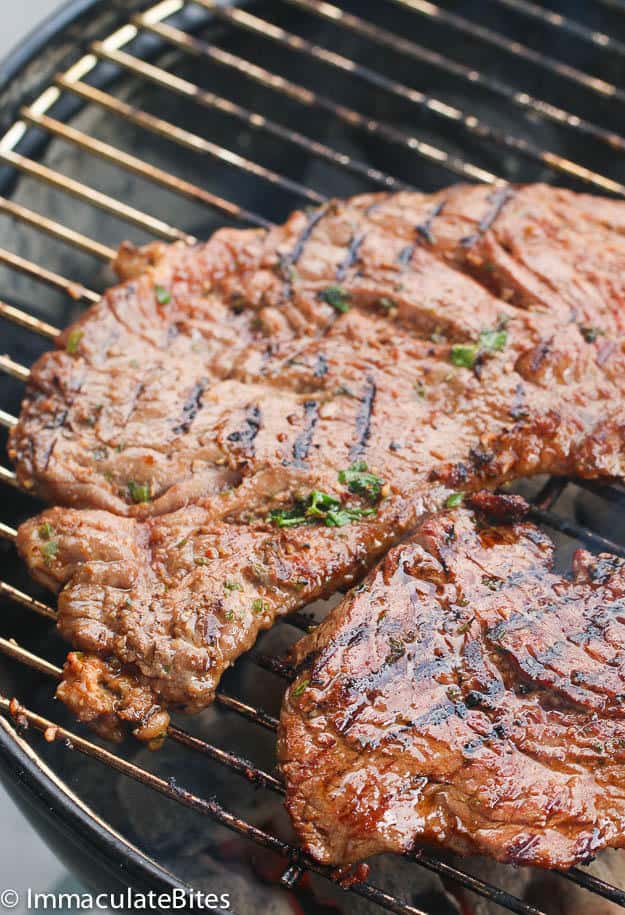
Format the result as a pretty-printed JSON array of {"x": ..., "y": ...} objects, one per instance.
[
  {"x": 99, "y": 693},
  {"x": 347, "y": 371},
  {"x": 464, "y": 696},
  {"x": 164, "y": 606},
  {"x": 212, "y": 364}
]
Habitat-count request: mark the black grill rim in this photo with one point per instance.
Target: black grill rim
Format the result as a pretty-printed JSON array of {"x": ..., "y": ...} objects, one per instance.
[{"x": 70, "y": 830}]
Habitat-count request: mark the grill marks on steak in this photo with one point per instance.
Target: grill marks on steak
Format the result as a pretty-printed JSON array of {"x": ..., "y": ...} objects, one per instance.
[
  {"x": 163, "y": 606},
  {"x": 158, "y": 602},
  {"x": 465, "y": 696},
  {"x": 204, "y": 382},
  {"x": 132, "y": 400}
]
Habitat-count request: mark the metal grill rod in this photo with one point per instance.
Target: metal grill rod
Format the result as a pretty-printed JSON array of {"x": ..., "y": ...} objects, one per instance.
[
  {"x": 185, "y": 138},
  {"x": 307, "y": 97},
  {"x": 259, "y": 777},
  {"x": 537, "y": 106},
  {"x": 8, "y": 477},
  {"x": 522, "y": 100},
  {"x": 138, "y": 167},
  {"x": 262, "y": 27},
  {"x": 459, "y": 23},
  {"x": 27, "y": 321},
  {"x": 15, "y": 369},
  {"x": 564, "y": 24},
  {"x": 209, "y": 807},
  {"x": 252, "y": 119},
  {"x": 8, "y": 422},
  {"x": 469, "y": 122},
  {"x": 75, "y": 291},
  {"x": 56, "y": 229},
  {"x": 95, "y": 198}
]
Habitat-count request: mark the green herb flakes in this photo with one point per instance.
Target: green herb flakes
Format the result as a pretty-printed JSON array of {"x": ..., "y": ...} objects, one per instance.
[
  {"x": 346, "y": 515},
  {"x": 73, "y": 341},
  {"x": 45, "y": 530},
  {"x": 233, "y": 586},
  {"x": 493, "y": 341},
  {"x": 360, "y": 481},
  {"x": 299, "y": 689},
  {"x": 492, "y": 583},
  {"x": 337, "y": 297},
  {"x": 139, "y": 492},
  {"x": 590, "y": 333},
  {"x": 259, "y": 605},
  {"x": 454, "y": 500},
  {"x": 163, "y": 296},
  {"x": 49, "y": 550},
  {"x": 465, "y": 355},
  {"x": 319, "y": 507}
]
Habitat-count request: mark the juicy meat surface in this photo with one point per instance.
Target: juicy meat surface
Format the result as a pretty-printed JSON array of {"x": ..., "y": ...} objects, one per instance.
[
  {"x": 162, "y": 607},
  {"x": 464, "y": 696},
  {"x": 438, "y": 343},
  {"x": 209, "y": 364}
]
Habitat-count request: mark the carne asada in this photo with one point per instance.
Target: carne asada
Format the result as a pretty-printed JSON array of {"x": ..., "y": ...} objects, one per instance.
[
  {"x": 464, "y": 696},
  {"x": 313, "y": 390}
]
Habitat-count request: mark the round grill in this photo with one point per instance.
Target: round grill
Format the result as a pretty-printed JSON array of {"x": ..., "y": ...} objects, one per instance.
[{"x": 167, "y": 121}]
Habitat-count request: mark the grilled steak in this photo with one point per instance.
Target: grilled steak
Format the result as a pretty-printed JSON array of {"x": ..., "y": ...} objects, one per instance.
[
  {"x": 280, "y": 408},
  {"x": 164, "y": 606},
  {"x": 391, "y": 427},
  {"x": 178, "y": 384},
  {"x": 464, "y": 696}
]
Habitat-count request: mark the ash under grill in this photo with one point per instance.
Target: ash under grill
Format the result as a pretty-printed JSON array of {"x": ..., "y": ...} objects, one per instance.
[{"x": 192, "y": 115}]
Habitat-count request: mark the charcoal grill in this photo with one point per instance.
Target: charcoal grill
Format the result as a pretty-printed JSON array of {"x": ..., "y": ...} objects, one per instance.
[{"x": 167, "y": 120}]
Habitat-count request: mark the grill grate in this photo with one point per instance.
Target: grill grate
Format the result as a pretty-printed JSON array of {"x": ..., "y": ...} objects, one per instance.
[{"x": 170, "y": 28}]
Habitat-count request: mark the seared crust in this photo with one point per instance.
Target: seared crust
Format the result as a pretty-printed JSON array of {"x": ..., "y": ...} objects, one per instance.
[
  {"x": 466, "y": 697},
  {"x": 173, "y": 601},
  {"x": 483, "y": 342},
  {"x": 129, "y": 398}
]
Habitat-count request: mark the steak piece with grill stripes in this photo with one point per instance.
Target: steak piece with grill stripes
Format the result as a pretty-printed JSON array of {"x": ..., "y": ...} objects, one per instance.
[
  {"x": 464, "y": 696},
  {"x": 391, "y": 427},
  {"x": 235, "y": 386},
  {"x": 163, "y": 607},
  {"x": 170, "y": 388}
]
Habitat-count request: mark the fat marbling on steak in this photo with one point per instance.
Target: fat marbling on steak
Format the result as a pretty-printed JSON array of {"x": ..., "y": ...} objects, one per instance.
[
  {"x": 464, "y": 696},
  {"x": 225, "y": 394}
]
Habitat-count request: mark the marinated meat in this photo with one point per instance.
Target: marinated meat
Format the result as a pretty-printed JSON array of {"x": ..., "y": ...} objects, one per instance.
[
  {"x": 162, "y": 607},
  {"x": 316, "y": 387},
  {"x": 164, "y": 390},
  {"x": 464, "y": 696}
]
